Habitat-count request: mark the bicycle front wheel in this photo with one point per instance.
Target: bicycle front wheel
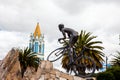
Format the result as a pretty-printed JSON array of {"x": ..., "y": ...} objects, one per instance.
[
  {"x": 85, "y": 66},
  {"x": 56, "y": 54}
]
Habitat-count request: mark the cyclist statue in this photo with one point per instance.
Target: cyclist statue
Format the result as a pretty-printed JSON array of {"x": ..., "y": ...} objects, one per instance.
[
  {"x": 76, "y": 63},
  {"x": 73, "y": 37}
]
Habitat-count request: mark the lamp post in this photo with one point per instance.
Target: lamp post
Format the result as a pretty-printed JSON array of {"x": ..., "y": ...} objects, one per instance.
[{"x": 107, "y": 61}]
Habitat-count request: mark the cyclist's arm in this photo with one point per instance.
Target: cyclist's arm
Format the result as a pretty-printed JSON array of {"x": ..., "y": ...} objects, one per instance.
[{"x": 64, "y": 36}]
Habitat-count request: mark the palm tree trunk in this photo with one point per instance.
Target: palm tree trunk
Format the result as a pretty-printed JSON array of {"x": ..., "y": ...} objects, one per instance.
[{"x": 23, "y": 69}]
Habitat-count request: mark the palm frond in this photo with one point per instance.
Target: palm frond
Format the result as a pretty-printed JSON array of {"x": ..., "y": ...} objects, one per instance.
[
  {"x": 28, "y": 59},
  {"x": 95, "y": 51}
]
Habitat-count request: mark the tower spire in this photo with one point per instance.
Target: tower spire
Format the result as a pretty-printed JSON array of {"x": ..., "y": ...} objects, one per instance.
[{"x": 37, "y": 31}]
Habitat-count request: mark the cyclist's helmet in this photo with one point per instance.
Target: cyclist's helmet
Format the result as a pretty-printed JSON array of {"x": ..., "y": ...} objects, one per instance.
[{"x": 61, "y": 26}]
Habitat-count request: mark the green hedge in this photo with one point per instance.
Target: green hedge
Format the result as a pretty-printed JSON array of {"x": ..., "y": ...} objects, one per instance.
[
  {"x": 105, "y": 76},
  {"x": 112, "y": 73}
]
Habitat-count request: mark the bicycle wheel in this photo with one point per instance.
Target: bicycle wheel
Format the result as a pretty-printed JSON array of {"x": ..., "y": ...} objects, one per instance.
[
  {"x": 56, "y": 54},
  {"x": 84, "y": 66}
]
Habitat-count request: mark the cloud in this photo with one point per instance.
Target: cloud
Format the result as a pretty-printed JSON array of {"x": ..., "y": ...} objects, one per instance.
[
  {"x": 19, "y": 18},
  {"x": 23, "y": 15},
  {"x": 10, "y": 40},
  {"x": 94, "y": 16},
  {"x": 73, "y": 7}
]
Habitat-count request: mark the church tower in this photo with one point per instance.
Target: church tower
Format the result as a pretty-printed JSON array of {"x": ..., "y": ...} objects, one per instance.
[{"x": 36, "y": 42}]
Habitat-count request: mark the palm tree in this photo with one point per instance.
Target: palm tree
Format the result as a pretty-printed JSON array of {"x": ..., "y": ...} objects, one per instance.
[
  {"x": 28, "y": 59},
  {"x": 94, "y": 51},
  {"x": 116, "y": 60}
]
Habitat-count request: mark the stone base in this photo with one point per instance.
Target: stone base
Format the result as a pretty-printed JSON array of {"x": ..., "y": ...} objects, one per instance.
[{"x": 10, "y": 70}]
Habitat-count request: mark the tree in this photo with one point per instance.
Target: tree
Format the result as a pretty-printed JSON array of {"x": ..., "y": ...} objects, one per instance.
[
  {"x": 28, "y": 59},
  {"x": 115, "y": 70},
  {"x": 95, "y": 51},
  {"x": 112, "y": 73},
  {"x": 116, "y": 60},
  {"x": 105, "y": 76}
]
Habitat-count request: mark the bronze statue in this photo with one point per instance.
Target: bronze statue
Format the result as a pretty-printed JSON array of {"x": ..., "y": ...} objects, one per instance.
[{"x": 72, "y": 36}]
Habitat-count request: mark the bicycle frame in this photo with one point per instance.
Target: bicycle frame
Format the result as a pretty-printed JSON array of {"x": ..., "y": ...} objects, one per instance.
[{"x": 73, "y": 49}]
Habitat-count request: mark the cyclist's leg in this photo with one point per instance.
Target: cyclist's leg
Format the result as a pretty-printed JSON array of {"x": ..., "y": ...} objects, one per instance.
[
  {"x": 73, "y": 39},
  {"x": 70, "y": 50},
  {"x": 70, "y": 55}
]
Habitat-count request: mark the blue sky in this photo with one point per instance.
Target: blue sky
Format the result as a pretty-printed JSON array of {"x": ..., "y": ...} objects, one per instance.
[{"x": 18, "y": 19}]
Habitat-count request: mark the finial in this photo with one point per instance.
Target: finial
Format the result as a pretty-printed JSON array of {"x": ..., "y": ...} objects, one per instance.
[{"x": 37, "y": 23}]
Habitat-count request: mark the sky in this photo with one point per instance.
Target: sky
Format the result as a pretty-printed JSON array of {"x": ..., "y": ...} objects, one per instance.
[{"x": 18, "y": 18}]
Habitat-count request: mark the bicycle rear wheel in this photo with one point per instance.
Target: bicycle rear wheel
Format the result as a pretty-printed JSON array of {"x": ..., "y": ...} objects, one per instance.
[
  {"x": 56, "y": 54},
  {"x": 85, "y": 66}
]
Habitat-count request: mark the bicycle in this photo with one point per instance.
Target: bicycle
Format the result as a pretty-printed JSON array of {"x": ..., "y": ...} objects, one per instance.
[{"x": 80, "y": 61}]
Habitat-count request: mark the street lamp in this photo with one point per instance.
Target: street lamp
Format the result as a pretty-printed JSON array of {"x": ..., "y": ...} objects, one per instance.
[{"x": 107, "y": 60}]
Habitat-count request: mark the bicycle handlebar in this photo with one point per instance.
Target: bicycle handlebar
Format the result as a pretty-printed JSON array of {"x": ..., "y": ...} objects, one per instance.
[{"x": 62, "y": 41}]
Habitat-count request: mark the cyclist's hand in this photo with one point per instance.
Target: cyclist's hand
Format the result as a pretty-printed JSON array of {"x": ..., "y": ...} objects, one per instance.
[{"x": 60, "y": 40}]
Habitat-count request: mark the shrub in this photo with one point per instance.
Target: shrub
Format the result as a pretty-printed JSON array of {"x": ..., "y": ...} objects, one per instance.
[
  {"x": 105, "y": 76},
  {"x": 115, "y": 71}
]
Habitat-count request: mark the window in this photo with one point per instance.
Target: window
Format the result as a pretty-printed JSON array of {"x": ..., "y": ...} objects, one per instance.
[{"x": 36, "y": 47}]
